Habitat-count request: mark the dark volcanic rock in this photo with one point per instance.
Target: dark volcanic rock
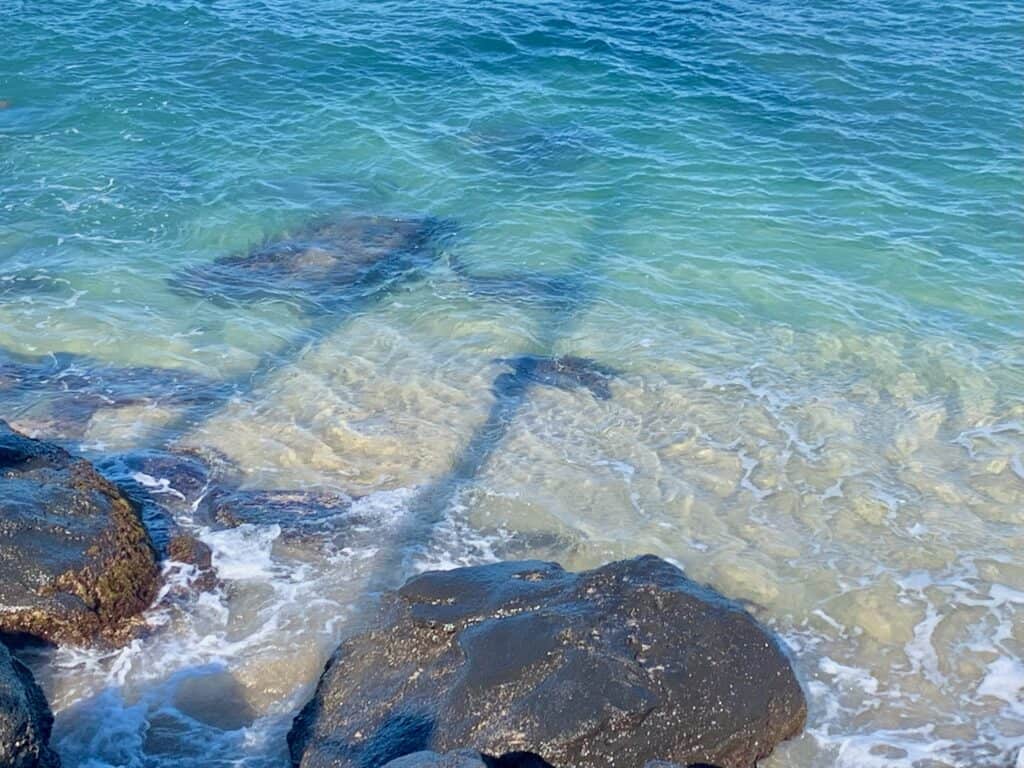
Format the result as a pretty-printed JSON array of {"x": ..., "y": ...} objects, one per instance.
[
  {"x": 186, "y": 548},
  {"x": 202, "y": 488},
  {"x": 295, "y": 511},
  {"x": 163, "y": 485},
  {"x": 25, "y": 718},
  {"x": 76, "y": 563},
  {"x": 461, "y": 759},
  {"x": 618, "y": 666},
  {"x": 468, "y": 759},
  {"x": 320, "y": 265}
]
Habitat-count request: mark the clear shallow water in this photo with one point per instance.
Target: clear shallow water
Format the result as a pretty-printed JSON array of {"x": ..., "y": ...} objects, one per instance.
[{"x": 797, "y": 233}]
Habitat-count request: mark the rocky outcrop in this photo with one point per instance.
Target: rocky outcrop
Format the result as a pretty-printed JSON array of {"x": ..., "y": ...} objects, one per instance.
[
  {"x": 25, "y": 718},
  {"x": 76, "y": 562},
  {"x": 624, "y": 665}
]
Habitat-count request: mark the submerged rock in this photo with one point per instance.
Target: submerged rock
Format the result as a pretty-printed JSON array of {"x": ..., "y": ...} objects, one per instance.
[
  {"x": 566, "y": 373},
  {"x": 187, "y": 549},
  {"x": 58, "y": 395},
  {"x": 25, "y": 718},
  {"x": 294, "y": 511},
  {"x": 321, "y": 264},
  {"x": 468, "y": 759},
  {"x": 76, "y": 563},
  {"x": 204, "y": 486},
  {"x": 163, "y": 485},
  {"x": 627, "y": 664}
]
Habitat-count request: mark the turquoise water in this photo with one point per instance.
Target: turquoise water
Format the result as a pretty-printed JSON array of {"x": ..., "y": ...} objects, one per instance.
[{"x": 796, "y": 232}]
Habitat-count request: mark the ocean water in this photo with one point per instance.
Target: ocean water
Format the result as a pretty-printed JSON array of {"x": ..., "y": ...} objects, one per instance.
[{"x": 794, "y": 231}]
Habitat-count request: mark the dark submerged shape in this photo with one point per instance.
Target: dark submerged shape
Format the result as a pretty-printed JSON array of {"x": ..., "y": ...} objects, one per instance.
[
  {"x": 76, "y": 562},
  {"x": 322, "y": 265},
  {"x": 205, "y": 486},
  {"x": 566, "y": 373},
  {"x": 468, "y": 759},
  {"x": 59, "y": 394},
  {"x": 307, "y": 511},
  {"x": 25, "y": 718},
  {"x": 162, "y": 485},
  {"x": 623, "y": 665}
]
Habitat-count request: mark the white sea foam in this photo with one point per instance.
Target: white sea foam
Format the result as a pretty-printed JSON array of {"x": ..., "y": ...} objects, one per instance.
[
  {"x": 220, "y": 674},
  {"x": 1005, "y": 680}
]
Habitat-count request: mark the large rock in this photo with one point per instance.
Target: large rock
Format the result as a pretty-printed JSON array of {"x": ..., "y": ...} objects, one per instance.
[
  {"x": 618, "y": 666},
  {"x": 25, "y": 718},
  {"x": 76, "y": 563}
]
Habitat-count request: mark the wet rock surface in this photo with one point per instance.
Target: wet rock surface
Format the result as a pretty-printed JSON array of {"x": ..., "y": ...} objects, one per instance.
[
  {"x": 295, "y": 511},
  {"x": 25, "y": 718},
  {"x": 468, "y": 759},
  {"x": 623, "y": 665},
  {"x": 76, "y": 562},
  {"x": 320, "y": 265},
  {"x": 205, "y": 488},
  {"x": 187, "y": 549},
  {"x": 164, "y": 485}
]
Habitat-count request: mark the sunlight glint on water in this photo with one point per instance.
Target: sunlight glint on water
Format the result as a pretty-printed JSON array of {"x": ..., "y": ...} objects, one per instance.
[{"x": 796, "y": 233}]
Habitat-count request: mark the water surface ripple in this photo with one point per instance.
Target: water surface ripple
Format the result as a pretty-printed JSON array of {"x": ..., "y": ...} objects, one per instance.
[{"x": 795, "y": 232}]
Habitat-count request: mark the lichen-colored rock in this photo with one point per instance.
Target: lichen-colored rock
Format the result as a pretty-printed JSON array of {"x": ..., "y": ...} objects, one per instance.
[
  {"x": 625, "y": 665},
  {"x": 76, "y": 562}
]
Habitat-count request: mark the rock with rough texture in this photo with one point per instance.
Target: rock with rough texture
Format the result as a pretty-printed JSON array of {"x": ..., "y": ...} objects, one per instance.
[
  {"x": 468, "y": 759},
  {"x": 620, "y": 666},
  {"x": 297, "y": 512},
  {"x": 321, "y": 264},
  {"x": 76, "y": 562},
  {"x": 164, "y": 485},
  {"x": 187, "y": 549},
  {"x": 460, "y": 759},
  {"x": 25, "y": 718}
]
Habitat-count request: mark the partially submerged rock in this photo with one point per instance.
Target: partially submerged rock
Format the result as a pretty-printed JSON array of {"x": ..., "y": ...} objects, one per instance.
[
  {"x": 320, "y": 265},
  {"x": 295, "y": 511},
  {"x": 25, "y": 718},
  {"x": 163, "y": 484},
  {"x": 76, "y": 563},
  {"x": 205, "y": 487},
  {"x": 622, "y": 665},
  {"x": 468, "y": 759},
  {"x": 187, "y": 549}
]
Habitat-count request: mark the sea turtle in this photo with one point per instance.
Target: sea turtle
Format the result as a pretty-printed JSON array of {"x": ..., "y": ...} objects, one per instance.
[{"x": 562, "y": 372}]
